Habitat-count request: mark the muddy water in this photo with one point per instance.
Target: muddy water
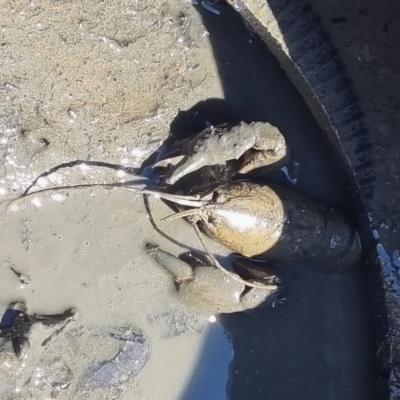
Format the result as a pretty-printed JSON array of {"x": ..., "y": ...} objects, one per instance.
[{"x": 85, "y": 249}]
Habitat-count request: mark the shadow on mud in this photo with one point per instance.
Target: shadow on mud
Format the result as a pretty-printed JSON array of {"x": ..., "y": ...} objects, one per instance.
[{"x": 320, "y": 344}]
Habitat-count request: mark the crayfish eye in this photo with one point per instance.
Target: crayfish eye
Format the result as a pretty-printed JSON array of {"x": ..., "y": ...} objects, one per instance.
[
  {"x": 212, "y": 220},
  {"x": 218, "y": 197}
]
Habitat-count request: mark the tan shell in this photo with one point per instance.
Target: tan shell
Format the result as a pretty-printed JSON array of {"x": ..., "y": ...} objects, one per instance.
[{"x": 247, "y": 218}]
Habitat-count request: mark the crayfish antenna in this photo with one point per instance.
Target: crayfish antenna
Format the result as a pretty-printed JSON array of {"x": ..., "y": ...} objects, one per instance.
[
  {"x": 190, "y": 201},
  {"x": 216, "y": 264},
  {"x": 182, "y": 214},
  {"x": 106, "y": 186}
]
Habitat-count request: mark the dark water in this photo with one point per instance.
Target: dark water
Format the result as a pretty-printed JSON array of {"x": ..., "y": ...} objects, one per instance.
[{"x": 319, "y": 345}]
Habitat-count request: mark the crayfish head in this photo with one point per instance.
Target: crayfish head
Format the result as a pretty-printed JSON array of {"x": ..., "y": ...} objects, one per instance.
[{"x": 246, "y": 219}]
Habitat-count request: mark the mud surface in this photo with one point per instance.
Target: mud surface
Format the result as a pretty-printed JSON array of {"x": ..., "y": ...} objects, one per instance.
[
  {"x": 94, "y": 81},
  {"x": 106, "y": 81}
]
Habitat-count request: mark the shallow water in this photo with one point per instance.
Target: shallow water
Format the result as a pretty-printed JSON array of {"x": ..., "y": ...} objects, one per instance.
[{"x": 95, "y": 261}]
